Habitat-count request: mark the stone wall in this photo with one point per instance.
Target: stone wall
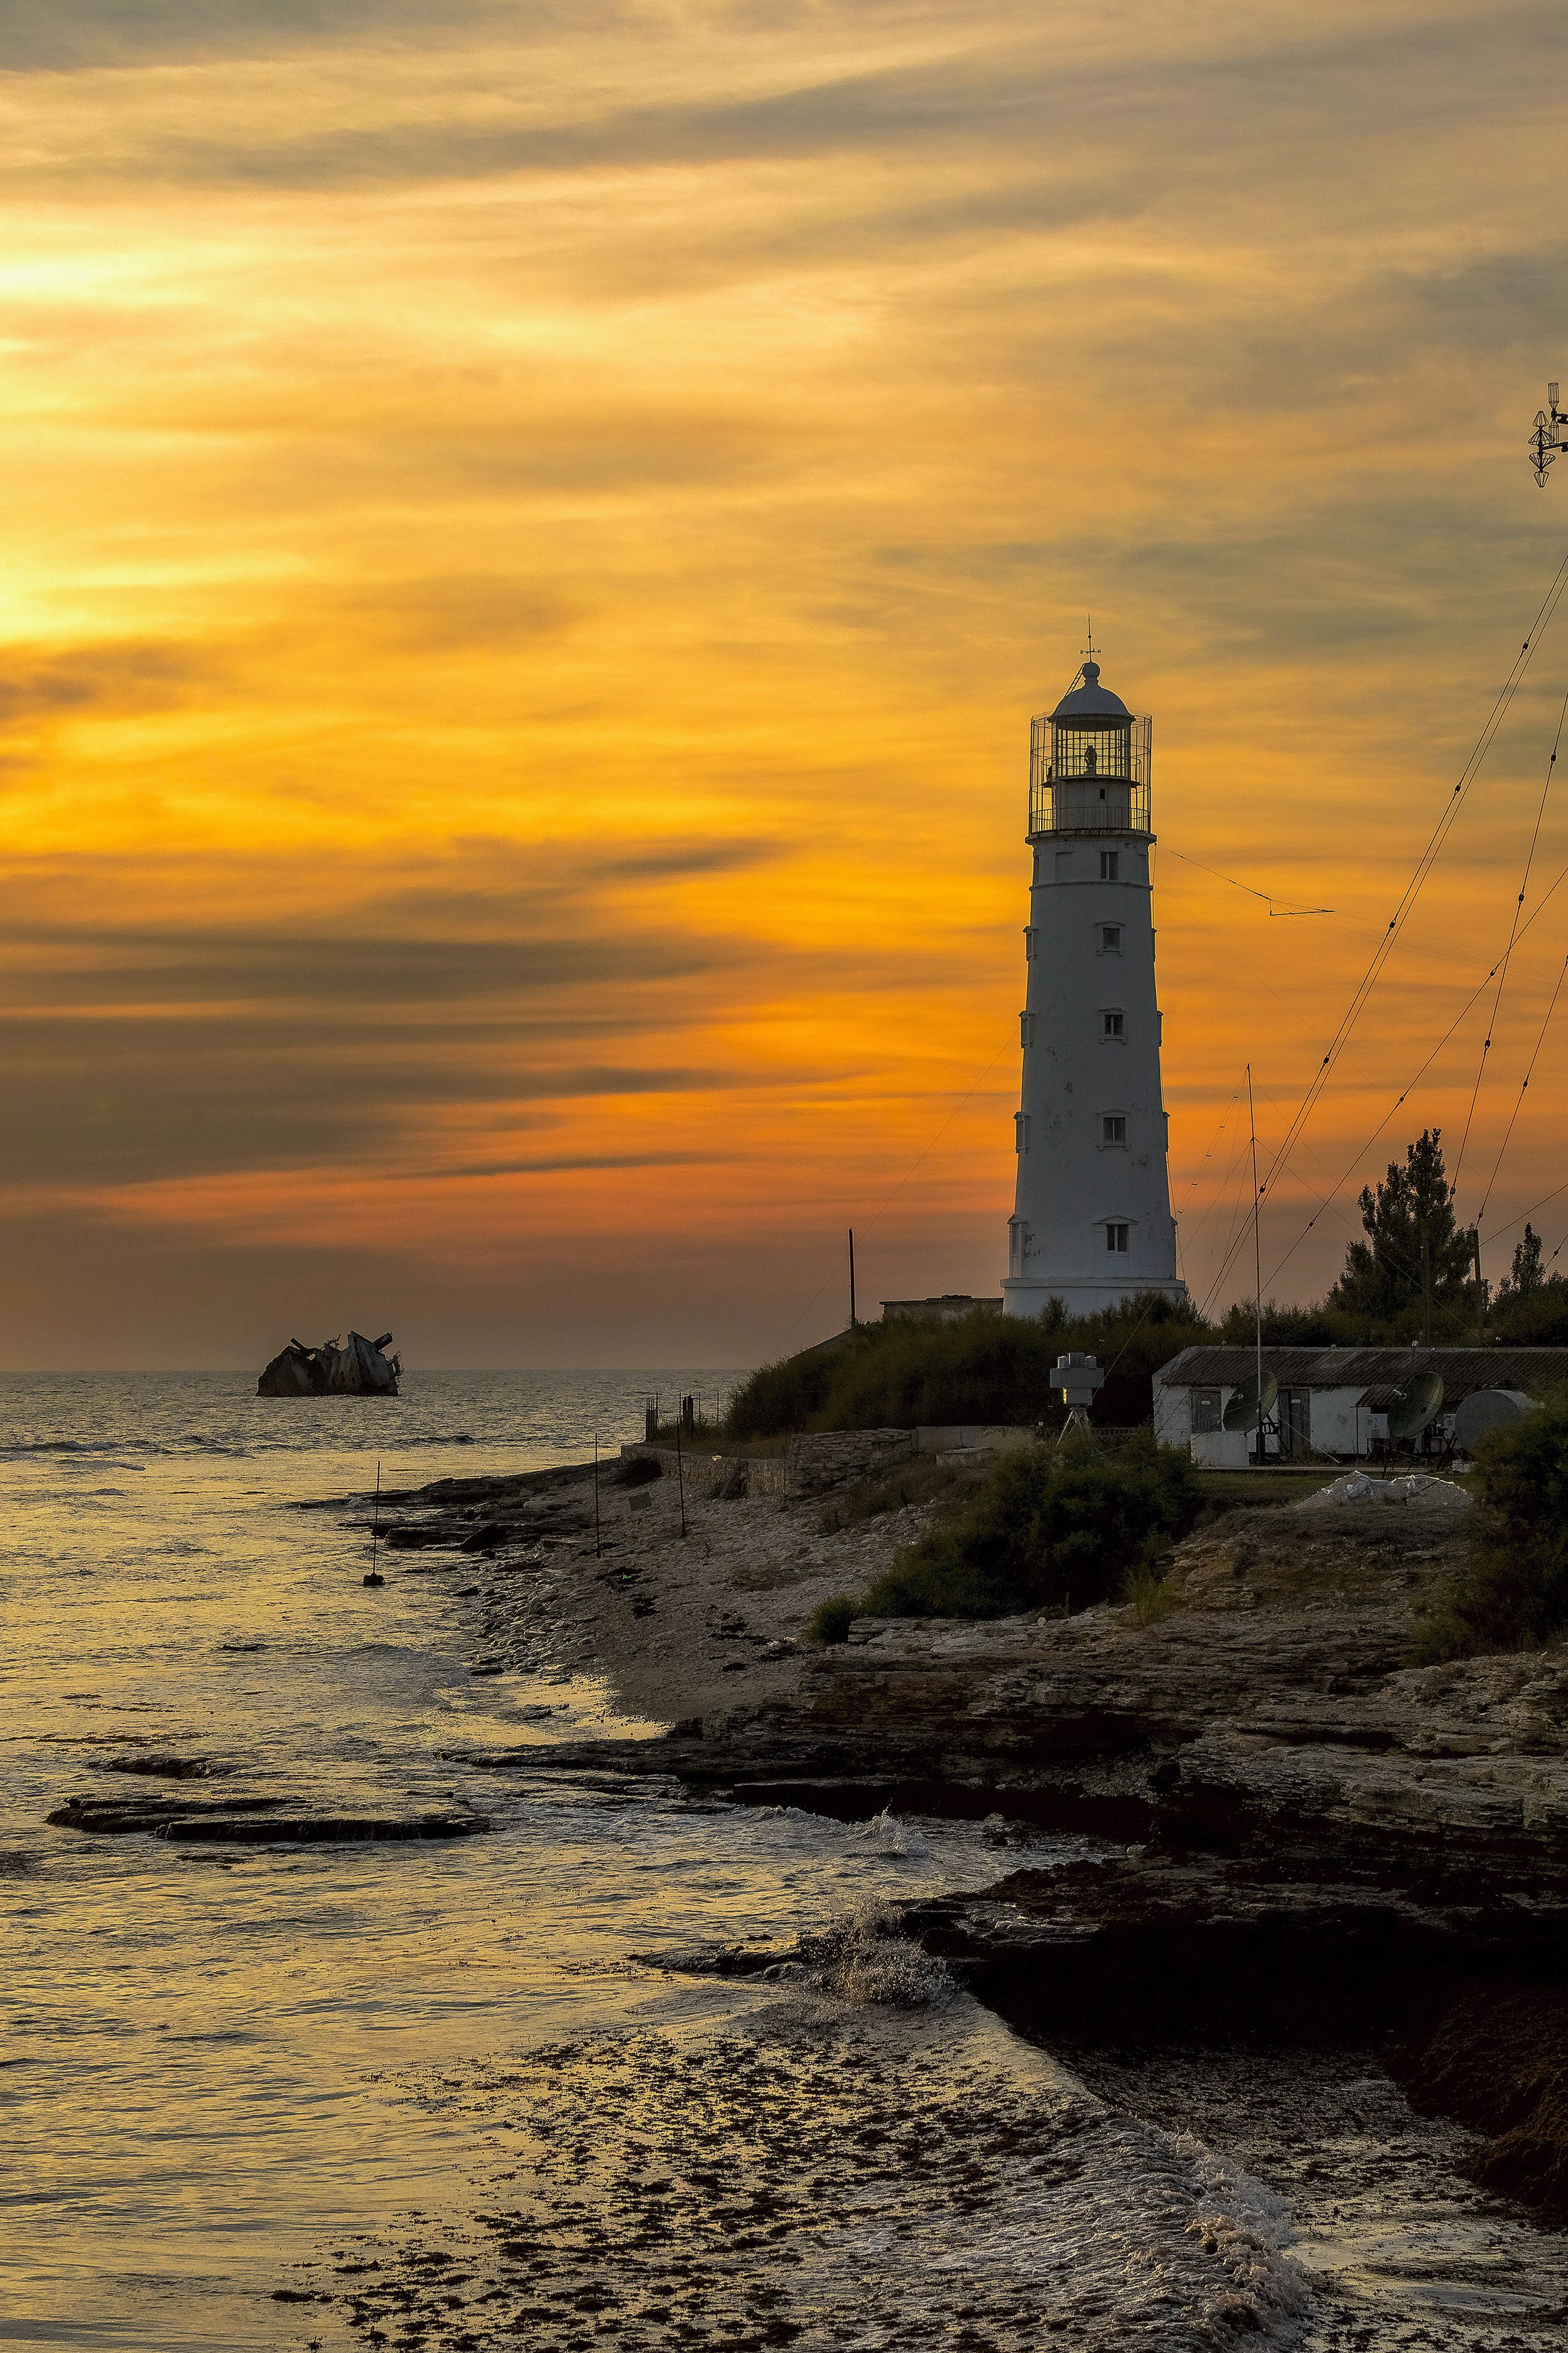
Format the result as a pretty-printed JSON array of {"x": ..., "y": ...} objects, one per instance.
[{"x": 835, "y": 1458}]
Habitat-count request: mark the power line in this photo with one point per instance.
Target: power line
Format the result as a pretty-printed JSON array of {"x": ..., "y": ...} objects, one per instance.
[
  {"x": 1423, "y": 868},
  {"x": 1252, "y": 893},
  {"x": 1519, "y": 1103},
  {"x": 1458, "y": 1022},
  {"x": 1508, "y": 951},
  {"x": 1412, "y": 891}
]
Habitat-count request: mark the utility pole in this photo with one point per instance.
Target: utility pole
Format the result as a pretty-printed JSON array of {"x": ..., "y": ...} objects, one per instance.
[
  {"x": 854, "y": 1319},
  {"x": 1257, "y": 1264},
  {"x": 1425, "y": 1283}
]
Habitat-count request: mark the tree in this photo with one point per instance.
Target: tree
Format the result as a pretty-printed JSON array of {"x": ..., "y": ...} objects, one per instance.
[
  {"x": 1417, "y": 1253},
  {"x": 1527, "y": 1276}
]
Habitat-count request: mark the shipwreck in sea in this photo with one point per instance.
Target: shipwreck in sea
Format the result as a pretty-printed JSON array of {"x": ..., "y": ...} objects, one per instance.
[{"x": 353, "y": 1368}]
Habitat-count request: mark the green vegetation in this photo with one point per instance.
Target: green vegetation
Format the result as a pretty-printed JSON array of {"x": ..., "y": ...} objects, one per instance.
[
  {"x": 1152, "y": 1598},
  {"x": 830, "y": 1620},
  {"x": 1415, "y": 1254},
  {"x": 981, "y": 1370},
  {"x": 1050, "y": 1526},
  {"x": 1410, "y": 1278},
  {"x": 1512, "y": 1593},
  {"x": 638, "y": 1469}
]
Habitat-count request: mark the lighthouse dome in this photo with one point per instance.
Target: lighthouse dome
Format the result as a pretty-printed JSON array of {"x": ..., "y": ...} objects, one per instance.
[{"x": 1087, "y": 702}]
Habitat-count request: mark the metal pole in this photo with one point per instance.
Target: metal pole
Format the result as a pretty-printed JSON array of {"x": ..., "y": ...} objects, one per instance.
[
  {"x": 854, "y": 1319},
  {"x": 680, "y": 1474},
  {"x": 1425, "y": 1283},
  {"x": 376, "y": 1521},
  {"x": 597, "y": 1549},
  {"x": 1257, "y": 1264}
]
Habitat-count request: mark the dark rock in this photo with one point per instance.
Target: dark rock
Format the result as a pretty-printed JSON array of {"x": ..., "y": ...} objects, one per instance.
[
  {"x": 104, "y": 1818},
  {"x": 1497, "y": 2058},
  {"x": 159, "y": 1768},
  {"x": 249, "y": 1821},
  {"x": 308, "y": 1830}
]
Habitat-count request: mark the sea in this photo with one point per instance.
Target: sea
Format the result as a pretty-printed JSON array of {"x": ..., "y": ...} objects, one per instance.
[{"x": 206, "y": 2051}]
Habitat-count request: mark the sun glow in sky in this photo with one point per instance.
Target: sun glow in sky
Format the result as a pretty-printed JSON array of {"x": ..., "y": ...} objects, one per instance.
[{"x": 534, "y": 534}]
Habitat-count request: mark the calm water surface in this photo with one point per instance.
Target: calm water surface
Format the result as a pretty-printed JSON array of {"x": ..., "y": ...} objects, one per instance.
[{"x": 202, "y": 2049}]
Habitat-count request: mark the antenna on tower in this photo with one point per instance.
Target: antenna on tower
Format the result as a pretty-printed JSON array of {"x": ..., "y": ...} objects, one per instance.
[{"x": 1546, "y": 439}]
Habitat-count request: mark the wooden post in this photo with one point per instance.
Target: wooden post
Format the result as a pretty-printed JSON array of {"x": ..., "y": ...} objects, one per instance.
[
  {"x": 680, "y": 1475},
  {"x": 854, "y": 1319},
  {"x": 599, "y": 1550}
]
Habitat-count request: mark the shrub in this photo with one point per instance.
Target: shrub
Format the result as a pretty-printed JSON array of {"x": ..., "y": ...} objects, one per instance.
[
  {"x": 1150, "y": 1597},
  {"x": 830, "y": 1620},
  {"x": 981, "y": 1368},
  {"x": 638, "y": 1469},
  {"x": 1050, "y": 1526},
  {"x": 1512, "y": 1592}
]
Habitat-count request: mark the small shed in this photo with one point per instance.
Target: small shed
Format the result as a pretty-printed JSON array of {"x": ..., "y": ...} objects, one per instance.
[{"x": 1332, "y": 1401}]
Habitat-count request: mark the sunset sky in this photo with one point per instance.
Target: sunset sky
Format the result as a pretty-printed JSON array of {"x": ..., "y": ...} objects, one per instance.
[{"x": 534, "y": 536}]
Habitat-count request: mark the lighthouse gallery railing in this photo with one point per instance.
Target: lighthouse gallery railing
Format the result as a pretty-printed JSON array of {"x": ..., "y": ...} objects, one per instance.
[{"x": 1090, "y": 780}]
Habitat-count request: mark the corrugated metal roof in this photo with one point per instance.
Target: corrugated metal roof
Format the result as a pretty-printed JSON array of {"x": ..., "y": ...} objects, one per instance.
[{"x": 1462, "y": 1369}]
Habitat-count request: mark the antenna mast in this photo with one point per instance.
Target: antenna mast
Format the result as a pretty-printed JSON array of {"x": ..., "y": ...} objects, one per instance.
[{"x": 1546, "y": 441}]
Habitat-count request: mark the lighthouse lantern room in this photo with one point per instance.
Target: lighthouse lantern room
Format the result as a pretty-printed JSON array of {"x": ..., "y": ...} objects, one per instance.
[{"x": 1092, "y": 1219}]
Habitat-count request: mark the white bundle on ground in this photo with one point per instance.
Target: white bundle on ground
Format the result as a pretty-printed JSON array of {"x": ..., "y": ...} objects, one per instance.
[{"x": 1360, "y": 1487}]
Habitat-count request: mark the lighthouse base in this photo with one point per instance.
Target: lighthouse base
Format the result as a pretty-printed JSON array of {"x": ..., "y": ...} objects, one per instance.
[{"x": 1083, "y": 1294}]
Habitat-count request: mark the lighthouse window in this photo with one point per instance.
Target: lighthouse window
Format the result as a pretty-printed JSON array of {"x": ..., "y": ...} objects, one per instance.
[
  {"x": 1029, "y": 946},
  {"x": 1021, "y": 1131},
  {"x": 1110, "y": 939},
  {"x": 1026, "y": 1028},
  {"x": 1116, "y": 1238},
  {"x": 1115, "y": 1024},
  {"x": 1113, "y": 1127},
  {"x": 1109, "y": 864}
]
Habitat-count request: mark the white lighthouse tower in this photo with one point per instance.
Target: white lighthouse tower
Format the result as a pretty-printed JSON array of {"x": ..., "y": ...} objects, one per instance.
[{"x": 1092, "y": 1221}]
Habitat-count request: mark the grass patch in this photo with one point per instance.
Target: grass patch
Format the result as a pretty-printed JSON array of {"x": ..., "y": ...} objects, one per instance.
[
  {"x": 1051, "y": 1527},
  {"x": 1150, "y": 1597},
  {"x": 1254, "y": 1489},
  {"x": 830, "y": 1620}
]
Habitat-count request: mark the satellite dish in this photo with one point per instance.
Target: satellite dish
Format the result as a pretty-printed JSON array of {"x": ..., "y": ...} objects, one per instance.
[
  {"x": 1249, "y": 1404},
  {"x": 1415, "y": 1406},
  {"x": 1486, "y": 1409}
]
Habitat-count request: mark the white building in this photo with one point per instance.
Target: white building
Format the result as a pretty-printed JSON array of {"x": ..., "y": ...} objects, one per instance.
[
  {"x": 1092, "y": 1220},
  {"x": 1332, "y": 1401}
]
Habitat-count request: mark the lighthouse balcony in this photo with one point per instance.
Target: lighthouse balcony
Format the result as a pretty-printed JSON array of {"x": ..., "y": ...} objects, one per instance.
[{"x": 1087, "y": 805}]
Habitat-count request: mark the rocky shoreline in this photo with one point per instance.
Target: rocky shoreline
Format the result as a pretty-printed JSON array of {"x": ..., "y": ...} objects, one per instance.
[{"x": 1313, "y": 1865}]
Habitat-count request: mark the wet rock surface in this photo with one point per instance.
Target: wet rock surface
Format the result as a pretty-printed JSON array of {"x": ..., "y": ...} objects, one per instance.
[
  {"x": 1322, "y": 1847},
  {"x": 813, "y": 2180},
  {"x": 250, "y": 1822}
]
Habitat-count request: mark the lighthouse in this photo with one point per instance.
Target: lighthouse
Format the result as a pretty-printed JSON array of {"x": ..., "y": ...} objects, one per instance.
[{"x": 1092, "y": 1219}]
